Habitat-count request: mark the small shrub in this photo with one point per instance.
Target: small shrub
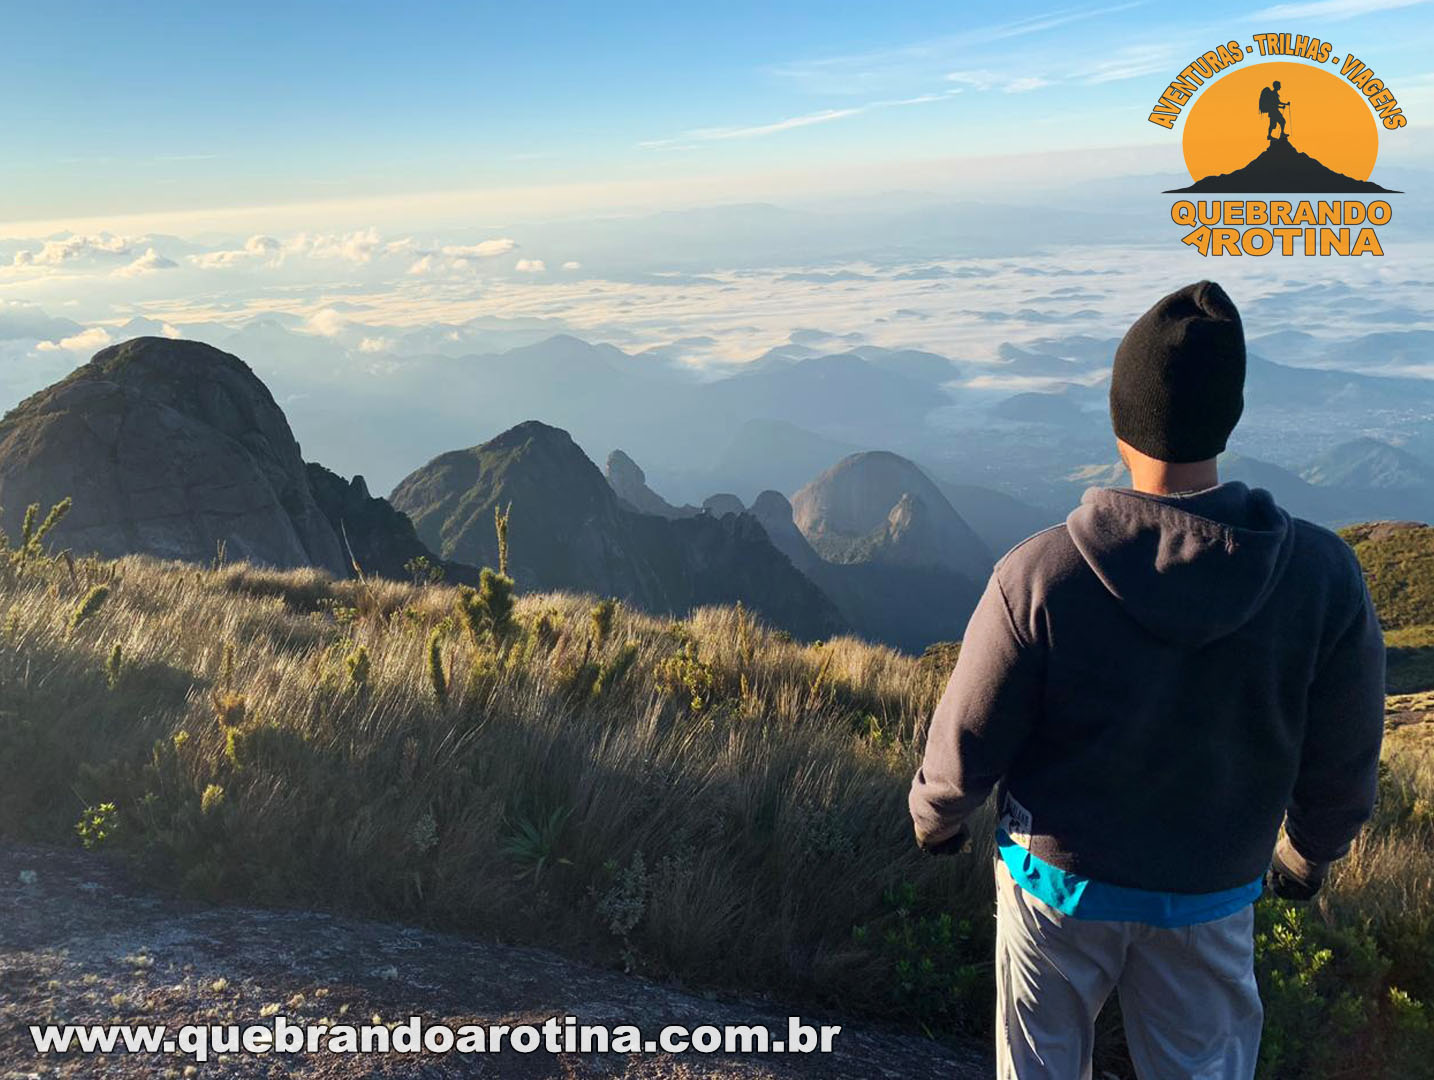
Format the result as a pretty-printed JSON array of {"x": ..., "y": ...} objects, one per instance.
[
  {"x": 359, "y": 667},
  {"x": 212, "y": 799},
  {"x": 938, "y": 970},
  {"x": 424, "y": 571},
  {"x": 98, "y": 825},
  {"x": 487, "y": 612},
  {"x": 686, "y": 674},
  {"x": 624, "y": 903},
  {"x": 603, "y": 614},
  {"x": 1318, "y": 984},
  {"x": 424, "y": 836}
]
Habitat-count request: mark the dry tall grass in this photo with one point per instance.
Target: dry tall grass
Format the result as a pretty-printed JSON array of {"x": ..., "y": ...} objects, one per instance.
[{"x": 702, "y": 798}]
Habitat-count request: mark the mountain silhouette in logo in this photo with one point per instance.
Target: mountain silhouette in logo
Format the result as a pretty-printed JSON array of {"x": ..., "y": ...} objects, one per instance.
[{"x": 1282, "y": 169}]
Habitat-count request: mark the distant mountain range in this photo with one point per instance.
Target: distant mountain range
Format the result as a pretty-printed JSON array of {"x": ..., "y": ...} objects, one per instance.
[
  {"x": 177, "y": 449},
  {"x": 570, "y": 531},
  {"x": 780, "y": 421}
]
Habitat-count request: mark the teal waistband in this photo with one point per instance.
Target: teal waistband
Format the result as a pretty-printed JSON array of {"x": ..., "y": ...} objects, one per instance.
[{"x": 1081, "y": 898}]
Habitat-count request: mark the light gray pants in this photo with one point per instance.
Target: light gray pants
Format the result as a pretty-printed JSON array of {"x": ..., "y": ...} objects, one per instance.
[{"x": 1187, "y": 995}]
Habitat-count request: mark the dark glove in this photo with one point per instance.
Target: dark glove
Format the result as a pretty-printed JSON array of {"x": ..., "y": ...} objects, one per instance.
[
  {"x": 952, "y": 845},
  {"x": 1292, "y": 876}
]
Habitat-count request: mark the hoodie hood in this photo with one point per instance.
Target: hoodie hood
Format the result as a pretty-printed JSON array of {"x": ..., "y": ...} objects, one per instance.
[{"x": 1189, "y": 568}]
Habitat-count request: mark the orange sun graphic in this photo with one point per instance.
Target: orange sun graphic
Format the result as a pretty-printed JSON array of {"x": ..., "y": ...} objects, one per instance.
[{"x": 1329, "y": 120}]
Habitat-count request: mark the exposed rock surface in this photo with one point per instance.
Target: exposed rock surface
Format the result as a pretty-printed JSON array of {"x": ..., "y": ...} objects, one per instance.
[
  {"x": 723, "y": 504},
  {"x": 905, "y": 605},
  {"x": 630, "y": 483},
  {"x": 178, "y": 450},
  {"x": 171, "y": 448},
  {"x": 82, "y": 943},
  {"x": 381, "y": 540},
  {"x": 879, "y": 507}
]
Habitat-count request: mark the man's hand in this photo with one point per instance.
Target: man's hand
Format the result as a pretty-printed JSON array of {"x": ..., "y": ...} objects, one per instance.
[
  {"x": 1292, "y": 876},
  {"x": 952, "y": 845}
]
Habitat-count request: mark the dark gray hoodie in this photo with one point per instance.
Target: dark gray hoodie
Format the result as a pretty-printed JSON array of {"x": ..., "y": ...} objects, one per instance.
[{"x": 1160, "y": 682}]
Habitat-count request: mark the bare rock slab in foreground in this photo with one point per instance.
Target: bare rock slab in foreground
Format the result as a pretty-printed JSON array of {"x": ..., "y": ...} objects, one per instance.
[{"x": 81, "y": 943}]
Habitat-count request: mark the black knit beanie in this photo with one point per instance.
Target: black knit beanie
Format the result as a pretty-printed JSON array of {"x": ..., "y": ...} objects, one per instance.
[{"x": 1178, "y": 386}]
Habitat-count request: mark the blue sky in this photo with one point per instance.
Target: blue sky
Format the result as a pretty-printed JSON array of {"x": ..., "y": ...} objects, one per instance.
[{"x": 115, "y": 108}]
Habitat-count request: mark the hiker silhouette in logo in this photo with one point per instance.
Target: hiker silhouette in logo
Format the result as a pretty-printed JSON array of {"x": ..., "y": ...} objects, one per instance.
[{"x": 1271, "y": 105}]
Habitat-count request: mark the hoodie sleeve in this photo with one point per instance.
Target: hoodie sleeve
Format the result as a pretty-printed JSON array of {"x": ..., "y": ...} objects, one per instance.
[
  {"x": 1339, "y": 762},
  {"x": 987, "y": 712}
]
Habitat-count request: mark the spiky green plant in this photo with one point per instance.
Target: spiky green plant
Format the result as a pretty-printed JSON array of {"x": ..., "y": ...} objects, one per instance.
[
  {"x": 54, "y": 517},
  {"x": 500, "y": 526},
  {"x": 612, "y": 672},
  {"x": 114, "y": 666},
  {"x": 437, "y": 678},
  {"x": 230, "y": 706},
  {"x": 487, "y": 611},
  {"x": 495, "y": 593},
  {"x": 226, "y": 666},
  {"x": 88, "y": 605},
  {"x": 533, "y": 845},
  {"x": 27, "y": 527},
  {"x": 32, "y": 536}
]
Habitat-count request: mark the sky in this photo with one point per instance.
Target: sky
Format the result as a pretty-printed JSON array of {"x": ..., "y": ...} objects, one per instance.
[
  {"x": 346, "y": 195},
  {"x": 188, "y": 116}
]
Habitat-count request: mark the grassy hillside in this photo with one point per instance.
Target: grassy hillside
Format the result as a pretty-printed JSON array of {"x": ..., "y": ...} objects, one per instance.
[
  {"x": 701, "y": 799},
  {"x": 1398, "y": 561}
]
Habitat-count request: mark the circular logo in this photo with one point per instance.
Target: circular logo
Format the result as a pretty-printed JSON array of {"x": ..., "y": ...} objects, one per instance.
[{"x": 1281, "y": 127}]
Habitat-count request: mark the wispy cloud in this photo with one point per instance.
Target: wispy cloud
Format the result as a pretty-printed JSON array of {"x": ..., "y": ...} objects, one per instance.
[
  {"x": 824, "y": 116},
  {"x": 1127, "y": 62},
  {"x": 688, "y": 139},
  {"x": 1332, "y": 10},
  {"x": 903, "y": 62},
  {"x": 991, "y": 80}
]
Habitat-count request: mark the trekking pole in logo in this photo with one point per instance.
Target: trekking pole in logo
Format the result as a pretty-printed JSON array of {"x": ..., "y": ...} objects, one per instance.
[{"x": 1271, "y": 106}]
